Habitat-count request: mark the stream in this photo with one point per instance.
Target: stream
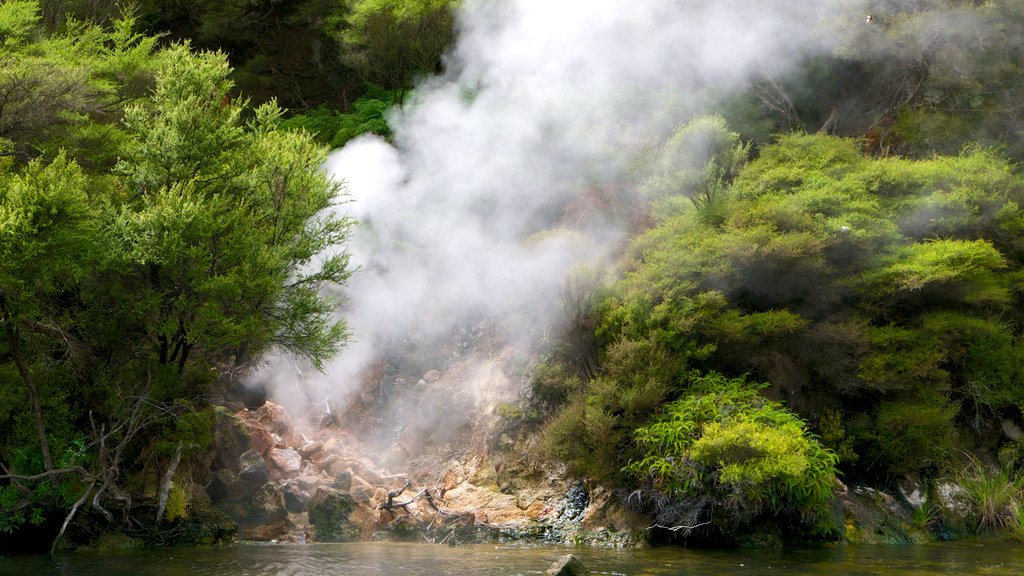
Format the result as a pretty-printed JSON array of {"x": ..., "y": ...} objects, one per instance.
[{"x": 372, "y": 558}]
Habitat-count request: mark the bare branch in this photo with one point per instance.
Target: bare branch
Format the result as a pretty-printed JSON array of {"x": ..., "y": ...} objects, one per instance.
[
  {"x": 165, "y": 487},
  {"x": 47, "y": 474},
  {"x": 71, "y": 514}
]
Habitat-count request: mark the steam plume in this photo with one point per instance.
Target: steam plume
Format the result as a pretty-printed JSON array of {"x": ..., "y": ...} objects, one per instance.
[{"x": 542, "y": 102}]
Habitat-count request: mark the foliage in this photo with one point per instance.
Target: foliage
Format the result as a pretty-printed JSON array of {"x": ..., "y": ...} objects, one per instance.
[
  {"x": 699, "y": 161},
  {"x": 592, "y": 432},
  {"x": 913, "y": 434},
  {"x": 368, "y": 116},
  {"x": 750, "y": 454},
  {"x": 391, "y": 41},
  {"x": 995, "y": 497},
  {"x": 155, "y": 234},
  {"x": 879, "y": 288},
  {"x": 177, "y": 503},
  {"x": 226, "y": 215}
]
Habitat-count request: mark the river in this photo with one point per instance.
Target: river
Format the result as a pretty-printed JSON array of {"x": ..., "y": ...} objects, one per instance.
[{"x": 962, "y": 558}]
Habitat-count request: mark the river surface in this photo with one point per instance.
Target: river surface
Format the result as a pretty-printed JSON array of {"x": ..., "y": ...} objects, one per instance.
[{"x": 990, "y": 558}]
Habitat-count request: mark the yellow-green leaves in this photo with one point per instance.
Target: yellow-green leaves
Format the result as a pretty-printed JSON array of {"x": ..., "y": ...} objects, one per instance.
[{"x": 725, "y": 440}]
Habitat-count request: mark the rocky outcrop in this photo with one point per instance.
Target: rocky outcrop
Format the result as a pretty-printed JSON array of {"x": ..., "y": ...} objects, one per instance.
[
  {"x": 871, "y": 516},
  {"x": 467, "y": 481}
]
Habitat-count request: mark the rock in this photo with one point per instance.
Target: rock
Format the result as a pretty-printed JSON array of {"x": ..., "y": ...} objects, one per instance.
[
  {"x": 230, "y": 439},
  {"x": 295, "y": 498},
  {"x": 285, "y": 463},
  {"x": 308, "y": 450},
  {"x": 204, "y": 527},
  {"x": 224, "y": 484},
  {"x": 309, "y": 482},
  {"x": 108, "y": 543},
  {"x": 262, "y": 517},
  {"x": 267, "y": 505},
  {"x": 275, "y": 418},
  {"x": 342, "y": 481},
  {"x": 1011, "y": 429},
  {"x": 252, "y": 470},
  {"x": 912, "y": 491},
  {"x": 330, "y": 514},
  {"x": 951, "y": 497},
  {"x": 330, "y": 462},
  {"x": 870, "y": 516},
  {"x": 567, "y": 565},
  {"x": 261, "y": 439}
]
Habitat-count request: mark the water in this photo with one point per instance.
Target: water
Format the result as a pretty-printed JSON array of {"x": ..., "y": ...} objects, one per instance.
[{"x": 988, "y": 558}]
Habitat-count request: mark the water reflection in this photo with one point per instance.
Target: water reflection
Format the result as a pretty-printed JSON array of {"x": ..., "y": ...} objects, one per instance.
[{"x": 431, "y": 560}]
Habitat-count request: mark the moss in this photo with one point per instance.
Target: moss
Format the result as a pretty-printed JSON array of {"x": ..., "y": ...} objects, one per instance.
[{"x": 329, "y": 513}]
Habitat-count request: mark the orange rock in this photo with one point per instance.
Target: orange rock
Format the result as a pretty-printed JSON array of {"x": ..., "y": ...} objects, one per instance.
[
  {"x": 261, "y": 439},
  {"x": 536, "y": 511}
]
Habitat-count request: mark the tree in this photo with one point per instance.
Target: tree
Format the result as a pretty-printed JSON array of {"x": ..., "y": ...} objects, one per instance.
[
  {"x": 47, "y": 240},
  {"x": 227, "y": 224},
  {"x": 698, "y": 162},
  {"x": 392, "y": 41},
  {"x": 128, "y": 286}
]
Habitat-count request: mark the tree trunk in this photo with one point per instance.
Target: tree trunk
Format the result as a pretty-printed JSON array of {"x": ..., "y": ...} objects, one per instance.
[{"x": 13, "y": 341}]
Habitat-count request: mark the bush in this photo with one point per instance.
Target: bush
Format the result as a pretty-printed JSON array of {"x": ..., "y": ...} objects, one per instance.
[
  {"x": 592, "y": 432},
  {"x": 910, "y": 435},
  {"x": 750, "y": 454}
]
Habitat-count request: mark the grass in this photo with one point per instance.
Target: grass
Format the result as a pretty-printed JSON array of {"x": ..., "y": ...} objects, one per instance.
[{"x": 996, "y": 496}]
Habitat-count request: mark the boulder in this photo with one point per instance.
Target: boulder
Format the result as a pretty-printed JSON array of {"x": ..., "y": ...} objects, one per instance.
[
  {"x": 330, "y": 514},
  {"x": 342, "y": 481},
  {"x": 230, "y": 439},
  {"x": 567, "y": 565},
  {"x": 261, "y": 439},
  {"x": 275, "y": 418},
  {"x": 308, "y": 450},
  {"x": 309, "y": 481},
  {"x": 295, "y": 498},
  {"x": 224, "y": 484},
  {"x": 284, "y": 463},
  {"x": 252, "y": 470},
  {"x": 262, "y": 517}
]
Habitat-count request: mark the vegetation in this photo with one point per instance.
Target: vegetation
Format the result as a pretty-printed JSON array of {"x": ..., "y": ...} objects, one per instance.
[
  {"x": 849, "y": 233},
  {"x": 875, "y": 295},
  {"x": 725, "y": 453},
  {"x": 156, "y": 235}
]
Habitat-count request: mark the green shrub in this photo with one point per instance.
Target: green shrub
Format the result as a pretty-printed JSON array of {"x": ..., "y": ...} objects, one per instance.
[
  {"x": 177, "y": 502},
  {"x": 592, "y": 432},
  {"x": 368, "y": 116},
  {"x": 910, "y": 435},
  {"x": 750, "y": 454}
]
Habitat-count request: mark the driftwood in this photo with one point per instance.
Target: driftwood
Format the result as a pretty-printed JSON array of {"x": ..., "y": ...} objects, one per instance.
[{"x": 390, "y": 505}]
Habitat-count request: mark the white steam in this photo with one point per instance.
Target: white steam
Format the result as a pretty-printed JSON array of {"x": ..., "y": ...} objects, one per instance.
[{"x": 544, "y": 102}]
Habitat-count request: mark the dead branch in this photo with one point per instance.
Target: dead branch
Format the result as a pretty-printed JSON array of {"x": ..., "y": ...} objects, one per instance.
[
  {"x": 165, "y": 487},
  {"x": 395, "y": 494},
  {"x": 71, "y": 514},
  {"x": 28, "y": 478},
  {"x": 686, "y": 529}
]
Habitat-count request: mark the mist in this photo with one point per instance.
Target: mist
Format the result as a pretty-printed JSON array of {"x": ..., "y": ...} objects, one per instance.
[{"x": 495, "y": 184}]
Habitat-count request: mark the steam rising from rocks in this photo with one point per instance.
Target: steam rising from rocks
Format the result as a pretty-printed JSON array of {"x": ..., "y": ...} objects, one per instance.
[{"x": 467, "y": 214}]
